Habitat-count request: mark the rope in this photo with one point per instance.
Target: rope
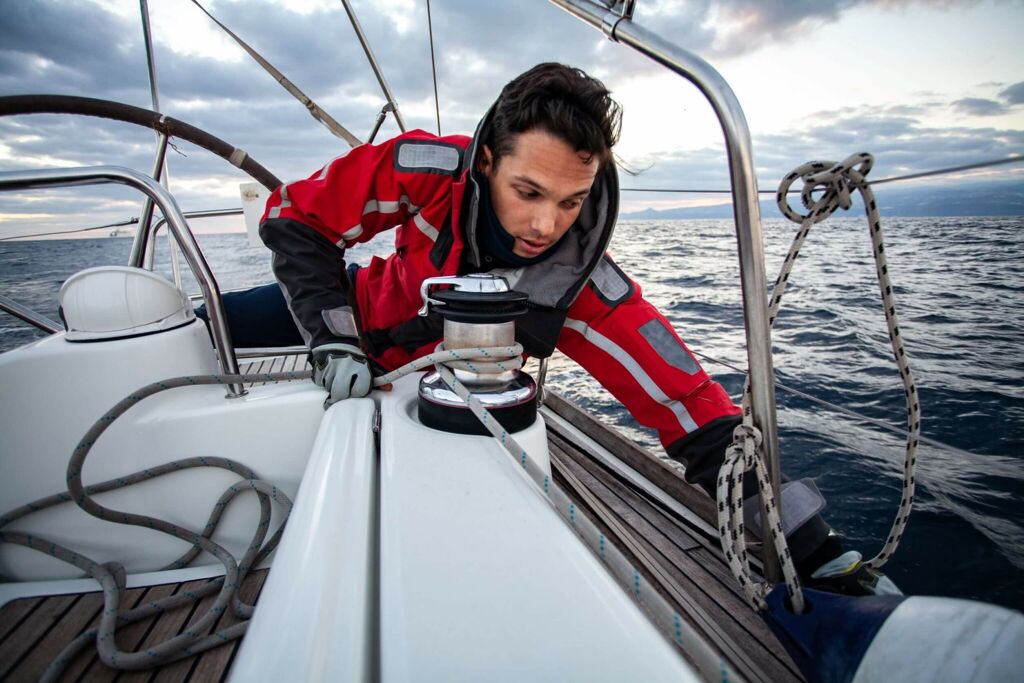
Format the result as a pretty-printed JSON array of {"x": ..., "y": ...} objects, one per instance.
[
  {"x": 666, "y": 618},
  {"x": 191, "y": 642},
  {"x": 833, "y": 182},
  {"x": 112, "y": 577}
]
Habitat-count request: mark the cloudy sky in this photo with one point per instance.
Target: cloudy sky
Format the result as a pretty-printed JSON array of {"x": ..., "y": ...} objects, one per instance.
[{"x": 922, "y": 85}]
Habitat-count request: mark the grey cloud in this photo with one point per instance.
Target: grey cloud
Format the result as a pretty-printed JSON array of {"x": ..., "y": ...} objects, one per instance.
[
  {"x": 78, "y": 48},
  {"x": 1014, "y": 94},
  {"x": 900, "y": 145},
  {"x": 977, "y": 106}
]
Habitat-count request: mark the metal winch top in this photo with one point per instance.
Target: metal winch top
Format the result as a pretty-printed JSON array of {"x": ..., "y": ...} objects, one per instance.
[{"x": 479, "y": 312}]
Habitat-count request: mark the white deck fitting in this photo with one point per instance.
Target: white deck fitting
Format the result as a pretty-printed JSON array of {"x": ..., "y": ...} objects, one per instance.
[
  {"x": 480, "y": 577},
  {"x": 314, "y": 620},
  {"x": 52, "y": 391}
]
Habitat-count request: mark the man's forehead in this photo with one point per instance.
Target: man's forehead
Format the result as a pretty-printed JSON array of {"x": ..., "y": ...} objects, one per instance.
[
  {"x": 584, "y": 187},
  {"x": 544, "y": 160}
]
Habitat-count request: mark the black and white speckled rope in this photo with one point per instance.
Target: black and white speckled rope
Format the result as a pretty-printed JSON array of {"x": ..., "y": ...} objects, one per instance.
[
  {"x": 834, "y": 182},
  {"x": 112, "y": 576}
]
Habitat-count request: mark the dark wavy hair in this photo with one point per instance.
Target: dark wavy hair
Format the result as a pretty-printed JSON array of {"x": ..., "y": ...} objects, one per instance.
[{"x": 563, "y": 101}]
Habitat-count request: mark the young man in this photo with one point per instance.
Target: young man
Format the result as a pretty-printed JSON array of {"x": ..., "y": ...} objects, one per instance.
[{"x": 533, "y": 196}]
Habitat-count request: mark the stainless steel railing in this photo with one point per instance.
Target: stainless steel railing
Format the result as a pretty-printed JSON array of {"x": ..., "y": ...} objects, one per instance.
[
  {"x": 615, "y": 20},
  {"x": 68, "y": 177}
]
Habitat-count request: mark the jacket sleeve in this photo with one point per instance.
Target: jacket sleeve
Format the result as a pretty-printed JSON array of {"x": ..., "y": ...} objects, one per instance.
[
  {"x": 625, "y": 343},
  {"x": 309, "y": 223}
]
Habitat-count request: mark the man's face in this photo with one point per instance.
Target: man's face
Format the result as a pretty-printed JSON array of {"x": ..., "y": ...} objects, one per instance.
[{"x": 538, "y": 189}]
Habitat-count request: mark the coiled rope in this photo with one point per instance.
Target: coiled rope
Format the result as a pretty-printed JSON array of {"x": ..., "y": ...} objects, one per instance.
[
  {"x": 112, "y": 577},
  {"x": 834, "y": 181}
]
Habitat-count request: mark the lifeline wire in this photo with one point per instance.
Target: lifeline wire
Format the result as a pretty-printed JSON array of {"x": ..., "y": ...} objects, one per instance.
[
  {"x": 111, "y": 576},
  {"x": 911, "y": 176},
  {"x": 836, "y": 179}
]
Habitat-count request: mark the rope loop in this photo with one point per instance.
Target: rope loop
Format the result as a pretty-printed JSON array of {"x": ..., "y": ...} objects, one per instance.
[{"x": 831, "y": 180}]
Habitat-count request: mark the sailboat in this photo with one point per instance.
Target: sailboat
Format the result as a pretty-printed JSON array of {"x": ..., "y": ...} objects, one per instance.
[{"x": 410, "y": 552}]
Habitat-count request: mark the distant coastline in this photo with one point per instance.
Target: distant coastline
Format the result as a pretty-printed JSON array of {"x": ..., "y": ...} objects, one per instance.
[
  {"x": 947, "y": 199},
  {"x": 962, "y": 200}
]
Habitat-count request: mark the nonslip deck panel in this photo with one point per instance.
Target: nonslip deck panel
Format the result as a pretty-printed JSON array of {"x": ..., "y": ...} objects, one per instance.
[
  {"x": 35, "y": 630},
  {"x": 690, "y": 563}
]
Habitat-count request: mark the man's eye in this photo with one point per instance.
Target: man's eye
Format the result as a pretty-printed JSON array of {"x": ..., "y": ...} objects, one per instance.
[
  {"x": 572, "y": 204},
  {"x": 526, "y": 194}
]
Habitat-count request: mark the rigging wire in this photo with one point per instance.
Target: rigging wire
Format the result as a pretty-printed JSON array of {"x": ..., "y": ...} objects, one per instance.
[
  {"x": 881, "y": 424},
  {"x": 433, "y": 69},
  {"x": 130, "y": 221},
  {"x": 893, "y": 179},
  {"x": 314, "y": 109}
]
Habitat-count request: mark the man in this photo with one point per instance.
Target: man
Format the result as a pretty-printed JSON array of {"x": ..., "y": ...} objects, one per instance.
[{"x": 533, "y": 196}]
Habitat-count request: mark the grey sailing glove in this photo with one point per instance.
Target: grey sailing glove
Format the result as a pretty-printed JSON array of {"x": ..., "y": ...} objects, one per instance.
[{"x": 342, "y": 370}]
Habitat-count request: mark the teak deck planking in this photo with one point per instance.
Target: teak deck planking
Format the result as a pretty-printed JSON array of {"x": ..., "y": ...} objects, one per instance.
[
  {"x": 35, "y": 630},
  {"x": 683, "y": 563}
]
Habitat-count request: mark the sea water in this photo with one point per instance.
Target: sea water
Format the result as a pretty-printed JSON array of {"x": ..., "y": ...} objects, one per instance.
[{"x": 958, "y": 284}]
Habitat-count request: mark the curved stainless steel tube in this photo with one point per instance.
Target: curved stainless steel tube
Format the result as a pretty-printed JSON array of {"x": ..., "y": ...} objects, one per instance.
[
  {"x": 745, "y": 208},
  {"x": 71, "y": 177},
  {"x": 28, "y": 315},
  {"x": 141, "y": 243},
  {"x": 155, "y": 228}
]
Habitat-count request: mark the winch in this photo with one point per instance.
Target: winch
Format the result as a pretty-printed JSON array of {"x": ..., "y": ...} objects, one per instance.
[{"x": 479, "y": 312}]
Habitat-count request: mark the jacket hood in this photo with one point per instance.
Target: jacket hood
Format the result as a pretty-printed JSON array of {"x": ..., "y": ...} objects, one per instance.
[{"x": 555, "y": 282}]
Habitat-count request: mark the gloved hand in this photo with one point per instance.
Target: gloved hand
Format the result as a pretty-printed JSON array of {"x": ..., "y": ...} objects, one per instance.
[{"x": 342, "y": 370}]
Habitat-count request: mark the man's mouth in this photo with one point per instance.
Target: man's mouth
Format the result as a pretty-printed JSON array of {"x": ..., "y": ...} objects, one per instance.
[{"x": 532, "y": 248}]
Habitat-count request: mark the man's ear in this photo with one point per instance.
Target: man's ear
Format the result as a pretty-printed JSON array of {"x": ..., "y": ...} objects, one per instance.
[{"x": 485, "y": 161}]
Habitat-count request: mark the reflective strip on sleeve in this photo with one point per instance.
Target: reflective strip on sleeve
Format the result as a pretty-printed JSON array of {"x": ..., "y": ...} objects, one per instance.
[
  {"x": 326, "y": 169},
  {"x": 425, "y": 227},
  {"x": 633, "y": 368},
  {"x": 378, "y": 206},
  {"x": 285, "y": 203},
  {"x": 668, "y": 347},
  {"x": 427, "y": 156},
  {"x": 341, "y": 322},
  {"x": 612, "y": 285},
  {"x": 352, "y": 233}
]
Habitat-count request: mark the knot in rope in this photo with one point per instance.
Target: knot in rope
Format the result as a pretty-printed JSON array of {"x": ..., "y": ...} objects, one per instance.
[
  {"x": 831, "y": 179},
  {"x": 834, "y": 182},
  {"x": 747, "y": 433}
]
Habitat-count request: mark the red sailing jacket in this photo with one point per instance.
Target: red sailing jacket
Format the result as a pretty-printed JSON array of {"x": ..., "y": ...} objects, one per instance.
[{"x": 580, "y": 301}]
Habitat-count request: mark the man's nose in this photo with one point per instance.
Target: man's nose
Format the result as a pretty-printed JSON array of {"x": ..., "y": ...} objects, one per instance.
[{"x": 544, "y": 220}]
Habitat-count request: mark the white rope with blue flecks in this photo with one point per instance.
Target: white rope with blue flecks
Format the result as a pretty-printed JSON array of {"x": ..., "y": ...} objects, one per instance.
[
  {"x": 194, "y": 640},
  {"x": 111, "y": 576},
  {"x": 834, "y": 182}
]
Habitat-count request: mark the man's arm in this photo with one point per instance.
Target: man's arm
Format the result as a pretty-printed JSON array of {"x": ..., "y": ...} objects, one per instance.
[
  {"x": 631, "y": 349},
  {"x": 309, "y": 223}
]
